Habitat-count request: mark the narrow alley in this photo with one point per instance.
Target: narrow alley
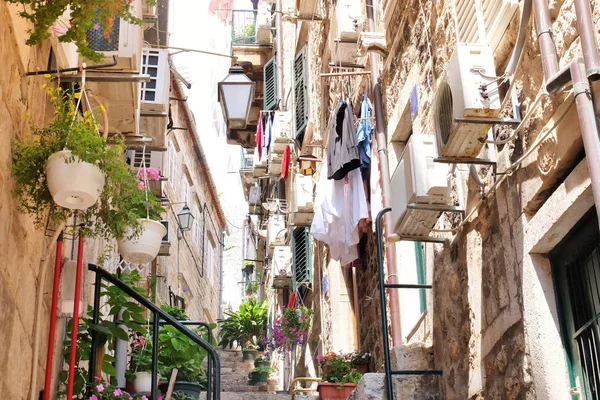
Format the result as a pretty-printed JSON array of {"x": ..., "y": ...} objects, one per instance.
[{"x": 300, "y": 199}]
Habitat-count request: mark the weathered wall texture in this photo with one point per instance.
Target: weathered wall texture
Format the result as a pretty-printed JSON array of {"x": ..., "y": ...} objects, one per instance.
[{"x": 479, "y": 329}]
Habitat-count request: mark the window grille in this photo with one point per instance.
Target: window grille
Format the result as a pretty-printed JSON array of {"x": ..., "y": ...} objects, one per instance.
[{"x": 97, "y": 41}]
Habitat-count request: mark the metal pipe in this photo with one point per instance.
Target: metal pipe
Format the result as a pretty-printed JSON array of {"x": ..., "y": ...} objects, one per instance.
[
  {"x": 518, "y": 50},
  {"x": 382, "y": 298},
  {"x": 585, "y": 26},
  {"x": 95, "y": 320},
  {"x": 155, "y": 329},
  {"x": 53, "y": 312},
  {"x": 75, "y": 327},
  {"x": 475, "y": 176},
  {"x": 384, "y": 169},
  {"x": 73, "y": 69},
  {"x": 543, "y": 25},
  {"x": 279, "y": 52},
  {"x": 588, "y": 125}
]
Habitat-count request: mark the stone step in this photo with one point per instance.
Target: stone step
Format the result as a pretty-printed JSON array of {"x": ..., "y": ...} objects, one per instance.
[{"x": 250, "y": 396}]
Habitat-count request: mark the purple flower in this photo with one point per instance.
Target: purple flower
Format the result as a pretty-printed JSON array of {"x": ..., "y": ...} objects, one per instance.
[
  {"x": 100, "y": 388},
  {"x": 96, "y": 26},
  {"x": 118, "y": 392}
]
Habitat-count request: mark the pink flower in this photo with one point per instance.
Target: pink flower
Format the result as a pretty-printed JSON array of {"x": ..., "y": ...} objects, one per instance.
[
  {"x": 61, "y": 30},
  {"x": 303, "y": 317},
  {"x": 96, "y": 26},
  {"x": 141, "y": 185},
  {"x": 93, "y": 397},
  {"x": 100, "y": 388},
  {"x": 118, "y": 392},
  {"x": 151, "y": 173}
]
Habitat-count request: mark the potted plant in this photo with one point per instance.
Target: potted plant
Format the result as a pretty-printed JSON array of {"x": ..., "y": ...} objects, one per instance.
[
  {"x": 339, "y": 378},
  {"x": 359, "y": 360},
  {"x": 246, "y": 325},
  {"x": 249, "y": 351},
  {"x": 289, "y": 329},
  {"x": 262, "y": 360},
  {"x": 140, "y": 364},
  {"x": 41, "y": 155},
  {"x": 251, "y": 288},
  {"x": 84, "y": 16},
  {"x": 260, "y": 375},
  {"x": 103, "y": 390},
  {"x": 144, "y": 247}
]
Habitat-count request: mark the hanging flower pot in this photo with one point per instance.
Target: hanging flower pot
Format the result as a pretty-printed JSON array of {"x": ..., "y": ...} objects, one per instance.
[
  {"x": 145, "y": 247},
  {"x": 75, "y": 185},
  {"x": 143, "y": 383}
]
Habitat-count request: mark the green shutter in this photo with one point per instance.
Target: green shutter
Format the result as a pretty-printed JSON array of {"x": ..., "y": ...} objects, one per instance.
[
  {"x": 270, "y": 85},
  {"x": 301, "y": 258},
  {"x": 421, "y": 274},
  {"x": 300, "y": 92}
]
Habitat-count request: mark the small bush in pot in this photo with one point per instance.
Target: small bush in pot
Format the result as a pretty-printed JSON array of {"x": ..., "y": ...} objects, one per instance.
[
  {"x": 260, "y": 374},
  {"x": 248, "y": 324}
]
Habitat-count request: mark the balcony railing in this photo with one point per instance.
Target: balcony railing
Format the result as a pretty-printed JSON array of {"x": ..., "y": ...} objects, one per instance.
[{"x": 250, "y": 28}]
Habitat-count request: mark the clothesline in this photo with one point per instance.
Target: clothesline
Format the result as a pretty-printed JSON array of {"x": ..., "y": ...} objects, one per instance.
[{"x": 328, "y": 75}]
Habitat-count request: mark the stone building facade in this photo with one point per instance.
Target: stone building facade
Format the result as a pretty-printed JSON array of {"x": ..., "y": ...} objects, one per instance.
[
  {"x": 190, "y": 270},
  {"x": 493, "y": 322}
]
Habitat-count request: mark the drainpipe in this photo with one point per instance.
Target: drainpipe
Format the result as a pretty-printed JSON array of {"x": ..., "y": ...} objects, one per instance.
[
  {"x": 221, "y": 276},
  {"x": 279, "y": 51},
  {"x": 543, "y": 25},
  {"x": 384, "y": 169},
  {"x": 588, "y": 125},
  {"x": 585, "y": 26}
]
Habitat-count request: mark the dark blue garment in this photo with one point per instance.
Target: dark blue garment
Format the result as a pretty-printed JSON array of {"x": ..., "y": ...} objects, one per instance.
[{"x": 363, "y": 136}]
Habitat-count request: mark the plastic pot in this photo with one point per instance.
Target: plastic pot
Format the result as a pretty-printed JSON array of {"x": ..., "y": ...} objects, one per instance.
[
  {"x": 190, "y": 388},
  {"x": 334, "y": 391},
  {"x": 249, "y": 354},
  {"x": 258, "y": 377},
  {"x": 145, "y": 248},
  {"x": 143, "y": 383},
  {"x": 75, "y": 185}
]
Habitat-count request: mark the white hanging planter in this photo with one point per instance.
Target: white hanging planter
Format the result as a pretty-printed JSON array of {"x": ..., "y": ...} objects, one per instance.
[
  {"x": 76, "y": 185},
  {"x": 143, "y": 383},
  {"x": 145, "y": 248}
]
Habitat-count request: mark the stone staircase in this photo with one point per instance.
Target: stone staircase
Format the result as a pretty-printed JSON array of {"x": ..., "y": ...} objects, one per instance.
[{"x": 234, "y": 380}]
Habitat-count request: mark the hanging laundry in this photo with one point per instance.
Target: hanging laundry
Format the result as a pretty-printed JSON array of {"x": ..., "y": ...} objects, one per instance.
[
  {"x": 268, "y": 132},
  {"x": 259, "y": 135},
  {"x": 342, "y": 151},
  {"x": 339, "y": 206},
  {"x": 364, "y": 133},
  {"x": 285, "y": 162}
]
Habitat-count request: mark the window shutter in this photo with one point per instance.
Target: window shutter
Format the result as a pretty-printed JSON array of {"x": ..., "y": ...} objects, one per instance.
[
  {"x": 270, "y": 84},
  {"x": 301, "y": 258},
  {"x": 300, "y": 91},
  {"x": 483, "y": 21},
  {"x": 466, "y": 21}
]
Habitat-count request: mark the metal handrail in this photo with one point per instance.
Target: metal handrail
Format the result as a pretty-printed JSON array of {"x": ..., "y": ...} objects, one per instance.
[
  {"x": 382, "y": 286},
  {"x": 158, "y": 314}
]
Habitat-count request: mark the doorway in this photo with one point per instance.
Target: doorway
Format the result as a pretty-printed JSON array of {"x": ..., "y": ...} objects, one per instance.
[{"x": 576, "y": 272}]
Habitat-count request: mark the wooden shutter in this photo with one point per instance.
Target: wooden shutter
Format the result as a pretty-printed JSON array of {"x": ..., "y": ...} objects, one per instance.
[
  {"x": 301, "y": 258},
  {"x": 270, "y": 85},
  {"x": 300, "y": 92}
]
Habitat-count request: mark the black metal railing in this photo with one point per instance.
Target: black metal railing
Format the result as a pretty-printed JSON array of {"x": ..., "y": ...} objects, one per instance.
[
  {"x": 382, "y": 286},
  {"x": 159, "y": 317},
  {"x": 245, "y": 30}
]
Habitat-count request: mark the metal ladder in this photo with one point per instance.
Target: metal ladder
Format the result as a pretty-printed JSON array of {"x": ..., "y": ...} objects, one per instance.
[{"x": 382, "y": 286}]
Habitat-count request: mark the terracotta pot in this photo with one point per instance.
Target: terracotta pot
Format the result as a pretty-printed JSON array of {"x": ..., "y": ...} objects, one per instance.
[
  {"x": 75, "y": 185},
  {"x": 145, "y": 248},
  {"x": 335, "y": 391}
]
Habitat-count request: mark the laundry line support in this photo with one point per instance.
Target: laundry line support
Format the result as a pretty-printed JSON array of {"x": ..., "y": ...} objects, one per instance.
[{"x": 332, "y": 74}]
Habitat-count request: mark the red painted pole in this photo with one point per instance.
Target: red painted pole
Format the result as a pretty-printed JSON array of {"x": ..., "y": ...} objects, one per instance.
[
  {"x": 53, "y": 312},
  {"x": 75, "y": 320}
]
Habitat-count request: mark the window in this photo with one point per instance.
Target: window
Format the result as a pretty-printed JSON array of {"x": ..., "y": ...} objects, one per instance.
[
  {"x": 300, "y": 92},
  {"x": 270, "y": 84},
  {"x": 483, "y": 21},
  {"x": 154, "y": 63},
  {"x": 184, "y": 189},
  {"x": 301, "y": 260},
  {"x": 576, "y": 273},
  {"x": 176, "y": 301}
]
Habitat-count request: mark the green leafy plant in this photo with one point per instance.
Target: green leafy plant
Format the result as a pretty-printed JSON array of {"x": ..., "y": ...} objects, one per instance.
[
  {"x": 118, "y": 310},
  {"x": 359, "y": 357},
  {"x": 289, "y": 329},
  {"x": 337, "y": 368},
  {"x": 176, "y": 312},
  {"x": 140, "y": 357},
  {"x": 85, "y": 15},
  {"x": 121, "y": 200},
  {"x": 248, "y": 324},
  {"x": 261, "y": 370}
]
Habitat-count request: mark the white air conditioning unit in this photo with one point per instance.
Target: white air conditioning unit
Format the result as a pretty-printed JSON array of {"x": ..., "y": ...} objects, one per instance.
[
  {"x": 303, "y": 193},
  {"x": 254, "y": 196},
  {"x": 155, "y": 94},
  {"x": 282, "y": 131},
  {"x": 276, "y": 230},
  {"x": 345, "y": 30},
  {"x": 282, "y": 261},
  {"x": 469, "y": 91},
  {"x": 420, "y": 181},
  {"x": 148, "y": 159}
]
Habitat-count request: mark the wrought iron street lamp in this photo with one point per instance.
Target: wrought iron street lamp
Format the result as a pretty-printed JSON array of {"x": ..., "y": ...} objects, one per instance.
[
  {"x": 236, "y": 93},
  {"x": 186, "y": 219}
]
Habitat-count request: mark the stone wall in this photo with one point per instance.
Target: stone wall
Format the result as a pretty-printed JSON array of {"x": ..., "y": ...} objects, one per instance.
[{"x": 479, "y": 330}]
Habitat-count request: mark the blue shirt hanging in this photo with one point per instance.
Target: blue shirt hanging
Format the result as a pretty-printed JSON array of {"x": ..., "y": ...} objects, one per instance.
[{"x": 364, "y": 132}]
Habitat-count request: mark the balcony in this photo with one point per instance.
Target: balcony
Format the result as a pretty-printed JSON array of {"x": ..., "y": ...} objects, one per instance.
[{"x": 251, "y": 28}]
